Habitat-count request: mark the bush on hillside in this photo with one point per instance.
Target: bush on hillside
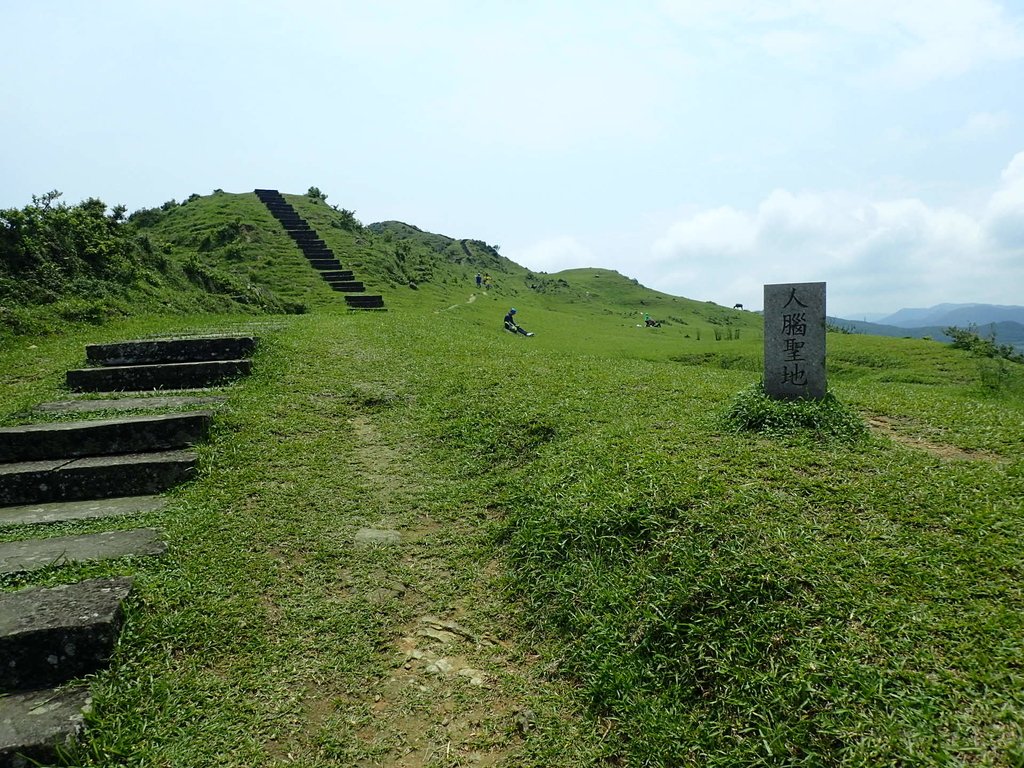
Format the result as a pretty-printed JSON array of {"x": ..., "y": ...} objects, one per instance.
[
  {"x": 147, "y": 217},
  {"x": 969, "y": 339},
  {"x": 346, "y": 219},
  {"x": 51, "y": 243},
  {"x": 63, "y": 264}
]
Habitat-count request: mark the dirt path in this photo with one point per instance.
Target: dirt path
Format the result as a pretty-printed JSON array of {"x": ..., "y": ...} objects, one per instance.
[
  {"x": 453, "y": 694},
  {"x": 890, "y": 428}
]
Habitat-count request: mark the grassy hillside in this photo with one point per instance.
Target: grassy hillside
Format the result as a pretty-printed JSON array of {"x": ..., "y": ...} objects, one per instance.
[
  {"x": 646, "y": 586},
  {"x": 430, "y": 273},
  {"x": 63, "y": 264}
]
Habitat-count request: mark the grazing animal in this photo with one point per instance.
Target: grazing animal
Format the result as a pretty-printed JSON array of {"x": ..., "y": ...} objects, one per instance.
[{"x": 737, "y": 306}]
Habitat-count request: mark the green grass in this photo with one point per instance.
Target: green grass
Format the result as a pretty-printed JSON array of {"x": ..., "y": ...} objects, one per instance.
[{"x": 662, "y": 589}]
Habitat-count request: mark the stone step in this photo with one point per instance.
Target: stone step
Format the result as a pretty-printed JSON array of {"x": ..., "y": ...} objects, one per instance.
[
  {"x": 323, "y": 264},
  {"x": 345, "y": 274},
  {"x": 191, "y": 350},
  {"x": 129, "y": 404},
  {"x": 156, "y": 376},
  {"x": 129, "y": 434},
  {"x": 364, "y": 301},
  {"x": 49, "y": 636},
  {"x": 33, "y": 554},
  {"x": 94, "y": 477},
  {"x": 35, "y": 727},
  {"x": 69, "y": 511},
  {"x": 347, "y": 286}
]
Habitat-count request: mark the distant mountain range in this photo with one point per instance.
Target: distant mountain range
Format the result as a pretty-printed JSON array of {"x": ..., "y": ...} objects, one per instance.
[
  {"x": 1005, "y": 322},
  {"x": 960, "y": 315}
]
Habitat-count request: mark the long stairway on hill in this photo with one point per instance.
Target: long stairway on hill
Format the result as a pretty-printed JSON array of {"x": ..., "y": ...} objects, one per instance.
[
  {"x": 72, "y": 472},
  {"x": 320, "y": 257}
]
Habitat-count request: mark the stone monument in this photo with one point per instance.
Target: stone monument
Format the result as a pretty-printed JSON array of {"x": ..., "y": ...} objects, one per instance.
[{"x": 794, "y": 340}]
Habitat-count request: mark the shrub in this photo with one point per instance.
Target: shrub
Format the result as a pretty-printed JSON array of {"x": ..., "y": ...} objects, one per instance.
[{"x": 969, "y": 339}]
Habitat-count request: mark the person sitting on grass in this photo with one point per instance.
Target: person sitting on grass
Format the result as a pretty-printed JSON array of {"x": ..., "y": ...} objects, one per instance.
[{"x": 512, "y": 325}]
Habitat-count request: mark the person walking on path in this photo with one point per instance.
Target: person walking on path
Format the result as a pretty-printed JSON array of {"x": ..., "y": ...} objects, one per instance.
[
  {"x": 479, "y": 281},
  {"x": 512, "y": 325}
]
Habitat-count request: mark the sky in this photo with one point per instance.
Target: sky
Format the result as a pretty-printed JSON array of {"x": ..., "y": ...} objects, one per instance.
[{"x": 703, "y": 147}]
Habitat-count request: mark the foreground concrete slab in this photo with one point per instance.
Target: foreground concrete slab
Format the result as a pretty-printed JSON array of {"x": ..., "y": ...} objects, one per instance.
[
  {"x": 128, "y": 434},
  {"x": 98, "y": 477},
  {"x": 49, "y": 636},
  {"x": 66, "y": 511},
  {"x": 189, "y": 350},
  {"x": 130, "y": 404},
  {"x": 156, "y": 376},
  {"x": 35, "y": 725},
  {"x": 31, "y": 555}
]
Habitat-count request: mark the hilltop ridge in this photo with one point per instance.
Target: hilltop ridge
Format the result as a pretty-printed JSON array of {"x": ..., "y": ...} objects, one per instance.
[{"x": 225, "y": 252}]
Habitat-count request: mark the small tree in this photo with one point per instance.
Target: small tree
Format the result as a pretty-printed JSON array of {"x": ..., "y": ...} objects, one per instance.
[
  {"x": 969, "y": 339},
  {"x": 316, "y": 194}
]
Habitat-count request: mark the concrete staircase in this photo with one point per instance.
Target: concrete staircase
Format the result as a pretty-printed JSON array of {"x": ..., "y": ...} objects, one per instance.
[
  {"x": 65, "y": 472},
  {"x": 163, "y": 364},
  {"x": 320, "y": 257}
]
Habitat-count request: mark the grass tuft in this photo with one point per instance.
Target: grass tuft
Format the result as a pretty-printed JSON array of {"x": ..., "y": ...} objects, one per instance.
[{"x": 828, "y": 418}]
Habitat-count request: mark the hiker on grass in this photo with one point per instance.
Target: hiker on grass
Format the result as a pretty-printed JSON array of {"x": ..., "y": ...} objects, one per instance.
[
  {"x": 512, "y": 325},
  {"x": 479, "y": 281}
]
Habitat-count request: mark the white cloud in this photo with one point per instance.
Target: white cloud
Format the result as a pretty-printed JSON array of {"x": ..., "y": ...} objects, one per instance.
[
  {"x": 904, "y": 44},
  {"x": 984, "y": 125},
  {"x": 721, "y": 233},
  {"x": 875, "y": 254},
  {"x": 789, "y": 44},
  {"x": 1004, "y": 220},
  {"x": 553, "y": 255}
]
